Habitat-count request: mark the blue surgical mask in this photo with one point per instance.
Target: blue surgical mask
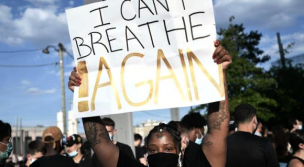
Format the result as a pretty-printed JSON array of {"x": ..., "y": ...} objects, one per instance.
[
  {"x": 111, "y": 136},
  {"x": 73, "y": 154},
  {"x": 7, "y": 153},
  {"x": 199, "y": 140}
]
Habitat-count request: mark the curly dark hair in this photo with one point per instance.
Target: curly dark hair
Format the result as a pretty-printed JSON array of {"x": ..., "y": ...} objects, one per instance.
[{"x": 173, "y": 132}]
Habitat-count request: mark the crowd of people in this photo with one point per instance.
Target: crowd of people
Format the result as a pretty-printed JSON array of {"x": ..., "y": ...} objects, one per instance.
[{"x": 195, "y": 141}]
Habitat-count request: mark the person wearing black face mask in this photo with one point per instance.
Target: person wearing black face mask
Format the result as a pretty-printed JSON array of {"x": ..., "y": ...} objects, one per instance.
[
  {"x": 246, "y": 149},
  {"x": 163, "y": 147},
  {"x": 6, "y": 147}
]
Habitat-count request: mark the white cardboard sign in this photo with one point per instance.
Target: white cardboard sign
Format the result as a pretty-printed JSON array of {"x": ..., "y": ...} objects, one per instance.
[{"x": 135, "y": 55}]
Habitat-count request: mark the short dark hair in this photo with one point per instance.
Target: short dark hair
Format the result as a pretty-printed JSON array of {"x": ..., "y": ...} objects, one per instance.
[
  {"x": 193, "y": 120},
  {"x": 174, "y": 133},
  {"x": 179, "y": 126},
  {"x": 291, "y": 121},
  {"x": 106, "y": 121},
  {"x": 295, "y": 139},
  {"x": 244, "y": 113},
  {"x": 137, "y": 137},
  {"x": 36, "y": 146},
  {"x": 5, "y": 130}
]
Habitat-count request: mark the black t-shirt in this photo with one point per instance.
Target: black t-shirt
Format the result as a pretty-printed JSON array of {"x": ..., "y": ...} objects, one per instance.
[
  {"x": 293, "y": 157},
  {"x": 246, "y": 149},
  {"x": 86, "y": 161},
  {"x": 54, "y": 161},
  {"x": 122, "y": 148},
  {"x": 125, "y": 161},
  {"x": 126, "y": 149},
  {"x": 139, "y": 153},
  {"x": 194, "y": 156}
]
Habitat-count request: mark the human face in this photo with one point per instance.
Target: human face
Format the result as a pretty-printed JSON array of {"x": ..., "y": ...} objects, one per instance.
[
  {"x": 4, "y": 142},
  {"x": 192, "y": 134},
  {"x": 195, "y": 133},
  {"x": 111, "y": 130},
  {"x": 161, "y": 142},
  {"x": 71, "y": 148},
  {"x": 35, "y": 156}
]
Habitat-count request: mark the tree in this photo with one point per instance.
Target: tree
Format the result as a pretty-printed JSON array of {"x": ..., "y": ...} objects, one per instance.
[
  {"x": 246, "y": 81},
  {"x": 289, "y": 92}
]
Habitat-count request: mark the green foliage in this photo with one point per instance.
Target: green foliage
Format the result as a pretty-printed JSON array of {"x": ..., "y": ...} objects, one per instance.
[
  {"x": 289, "y": 93},
  {"x": 246, "y": 82}
]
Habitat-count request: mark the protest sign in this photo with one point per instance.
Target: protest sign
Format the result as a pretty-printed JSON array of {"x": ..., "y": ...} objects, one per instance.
[{"x": 135, "y": 55}]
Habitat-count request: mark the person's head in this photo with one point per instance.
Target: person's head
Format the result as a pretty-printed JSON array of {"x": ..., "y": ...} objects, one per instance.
[
  {"x": 52, "y": 138},
  {"x": 5, "y": 141},
  {"x": 137, "y": 139},
  {"x": 195, "y": 123},
  {"x": 280, "y": 140},
  {"x": 73, "y": 145},
  {"x": 110, "y": 126},
  {"x": 293, "y": 124},
  {"x": 245, "y": 115},
  {"x": 183, "y": 133},
  {"x": 163, "y": 144},
  {"x": 296, "y": 141},
  {"x": 86, "y": 149},
  {"x": 36, "y": 150}
]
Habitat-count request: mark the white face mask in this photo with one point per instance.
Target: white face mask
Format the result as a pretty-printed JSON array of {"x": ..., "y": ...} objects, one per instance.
[
  {"x": 299, "y": 127},
  {"x": 33, "y": 160},
  {"x": 111, "y": 136}
]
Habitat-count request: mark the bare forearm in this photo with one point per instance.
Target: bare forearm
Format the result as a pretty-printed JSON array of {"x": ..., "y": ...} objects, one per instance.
[
  {"x": 98, "y": 137},
  {"x": 214, "y": 144},
  {"x": 219, "y": 115}
]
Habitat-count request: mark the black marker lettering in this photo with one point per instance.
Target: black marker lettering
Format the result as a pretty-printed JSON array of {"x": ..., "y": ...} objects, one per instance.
[
  {"x": 80, "y": 56},
  {"x": 197, "y": 25},
  {"x": 134, "y": 37},
  {"x": 100, "y": 15},
  {"x": 113, "y": 39},
  {"x": 97, "y": 42},
  {"x": 165, "y": 7},
  {"x": 139, "y": 8},
  {"x": 121, "y": 12},
  {"x": 148, "y": 25},
  {"x": 167, "y": 31}
]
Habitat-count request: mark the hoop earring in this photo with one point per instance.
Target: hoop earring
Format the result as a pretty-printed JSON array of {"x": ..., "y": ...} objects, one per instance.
[
  {"x": 180, "y": 160},
  {"x": 146, "y": 157}
]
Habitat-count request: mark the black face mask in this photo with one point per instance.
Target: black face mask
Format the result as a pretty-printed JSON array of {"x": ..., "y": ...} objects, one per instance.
[{"x": 163, "y": 160}]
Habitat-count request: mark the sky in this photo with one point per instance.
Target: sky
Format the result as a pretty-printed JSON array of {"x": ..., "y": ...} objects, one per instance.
[{"x": 34, "y": 93}]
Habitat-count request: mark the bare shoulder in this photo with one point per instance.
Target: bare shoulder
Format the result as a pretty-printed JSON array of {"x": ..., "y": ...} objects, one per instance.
[{"x": 295, "y": 163}]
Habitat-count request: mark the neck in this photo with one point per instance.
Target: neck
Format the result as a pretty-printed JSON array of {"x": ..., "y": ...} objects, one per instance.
[
  {"x": 77, "y": 158},
  {"x": 299, "y": 154},
  {"x": 245, "y": 128},
  {"x": 50, "y": 150},
  {"x": 28, "y": 163}
]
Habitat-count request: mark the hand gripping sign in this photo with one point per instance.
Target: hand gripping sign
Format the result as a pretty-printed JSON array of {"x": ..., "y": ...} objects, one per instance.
[{"x": 135, "y": 55}]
